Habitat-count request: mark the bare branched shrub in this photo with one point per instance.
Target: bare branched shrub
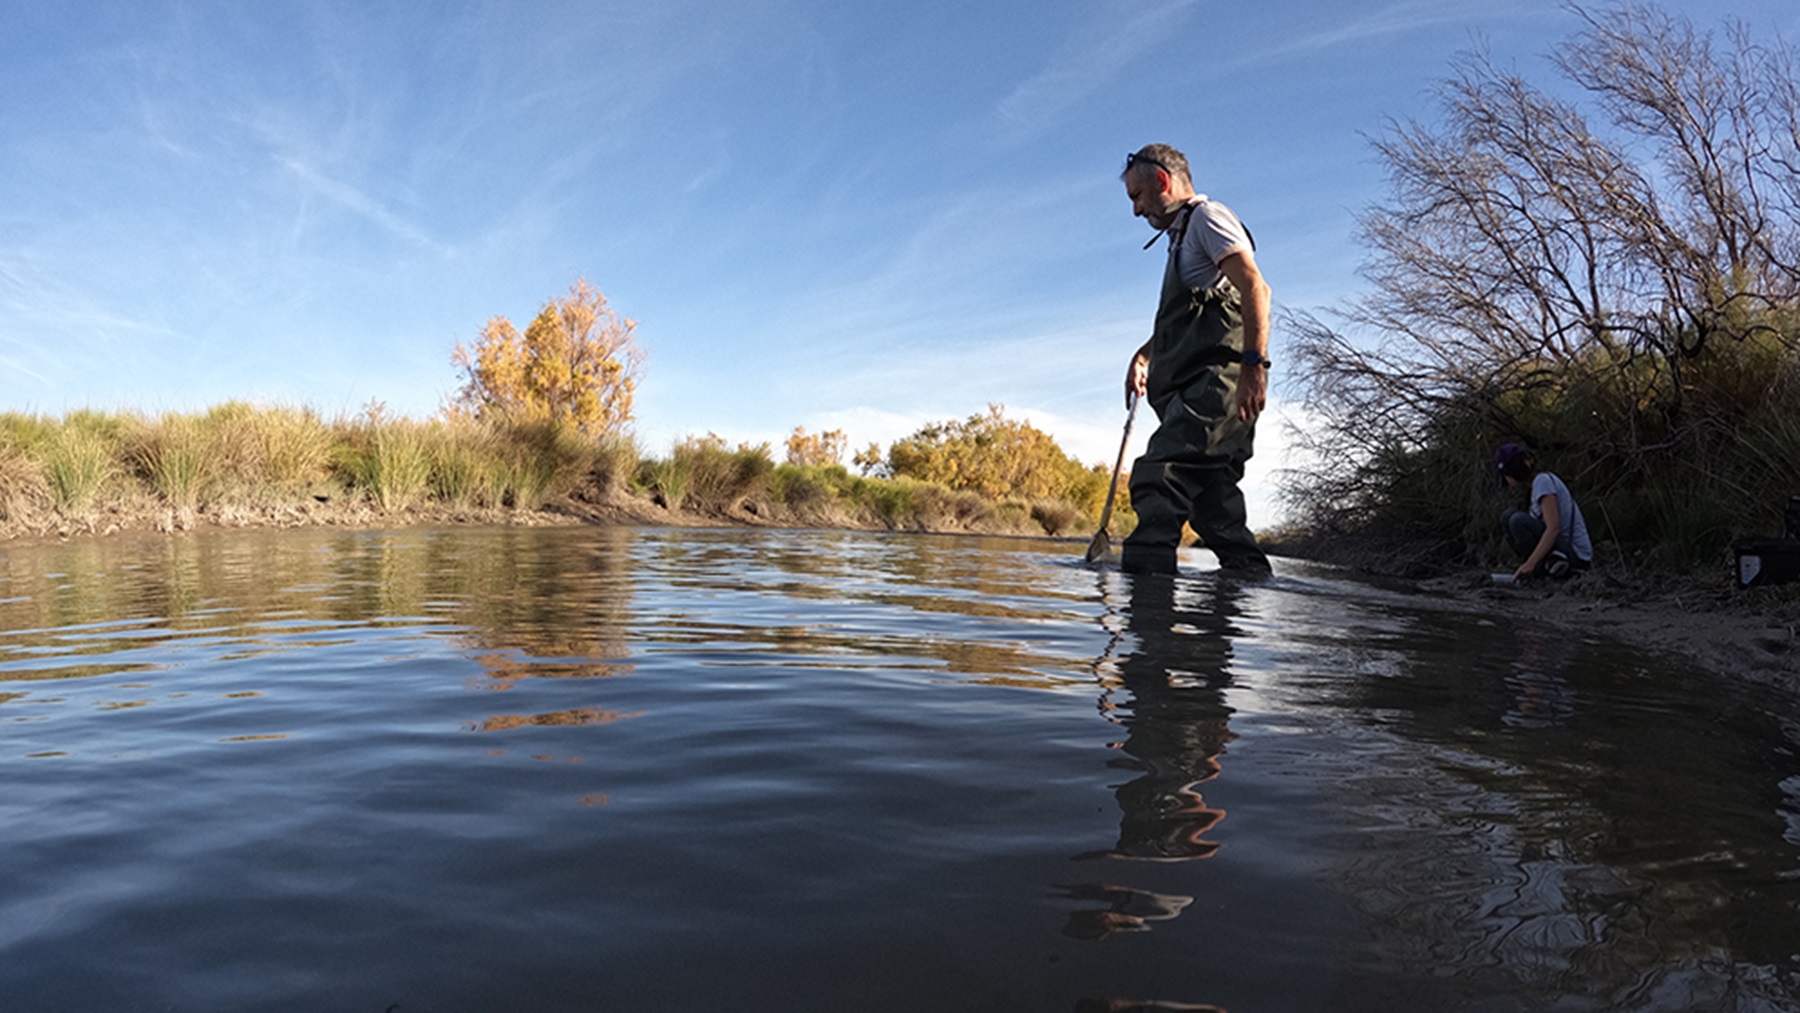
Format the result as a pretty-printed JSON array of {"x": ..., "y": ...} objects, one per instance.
[
  {"x": 1613, "y": 280},
  {"x": 1055, "y": 516}
]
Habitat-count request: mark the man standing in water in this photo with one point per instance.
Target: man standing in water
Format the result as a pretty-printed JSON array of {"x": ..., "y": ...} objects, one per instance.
[{"x": 1204, "y": 369}]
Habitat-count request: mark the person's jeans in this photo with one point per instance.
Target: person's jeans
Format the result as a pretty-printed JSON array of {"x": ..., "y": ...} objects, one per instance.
[{"x": 1523, "y": 532}]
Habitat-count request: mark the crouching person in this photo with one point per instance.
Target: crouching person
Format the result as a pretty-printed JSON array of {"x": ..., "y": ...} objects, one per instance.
[{"x": 1550, "y": 534}]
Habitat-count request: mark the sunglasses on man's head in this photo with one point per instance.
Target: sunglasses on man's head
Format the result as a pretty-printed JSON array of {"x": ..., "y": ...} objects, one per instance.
[{"x": 1134, "y": 158}]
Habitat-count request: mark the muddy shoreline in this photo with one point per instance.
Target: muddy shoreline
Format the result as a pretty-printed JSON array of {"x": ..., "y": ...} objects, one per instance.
[{"x": 1753, "y": 634}]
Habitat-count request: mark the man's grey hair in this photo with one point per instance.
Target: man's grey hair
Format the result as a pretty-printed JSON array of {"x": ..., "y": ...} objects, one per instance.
[{"x": 1151, "y": 157}]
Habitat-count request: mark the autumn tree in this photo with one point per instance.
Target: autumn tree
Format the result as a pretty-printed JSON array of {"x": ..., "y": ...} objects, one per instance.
[
  {"x": 576, "y": 363},
  {"x": 1611, "y": 270},
  {"x": 871, "y": 461},
  {"x": 990, "y": 454},
  {"x": 806, "y": 449}
]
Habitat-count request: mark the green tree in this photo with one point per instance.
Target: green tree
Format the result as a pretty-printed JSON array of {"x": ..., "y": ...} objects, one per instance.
[{"x": 576, "y": 363}]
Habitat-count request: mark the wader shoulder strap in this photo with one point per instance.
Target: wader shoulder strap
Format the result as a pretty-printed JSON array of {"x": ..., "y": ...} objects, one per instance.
[{"x": 1178, "y": 229}]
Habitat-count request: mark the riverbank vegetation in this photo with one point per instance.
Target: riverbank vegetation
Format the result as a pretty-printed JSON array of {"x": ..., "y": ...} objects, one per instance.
[
  {"x": 242, "y": 464},
  {"x": 984, "y": 473},
  {"x": 542, "y": 421},
  {"x": 1607, "y": 269}
]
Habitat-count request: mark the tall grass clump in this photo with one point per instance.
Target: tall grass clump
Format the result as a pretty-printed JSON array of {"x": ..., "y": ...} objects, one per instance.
[
  {"x": 548, "y": 460},
  {"x": 936, "y": 508},
  {"x": 29, "y": 433},
  {"x": 703, "y": 474},
  {"x": 24, "y": 489},
  {"x": 81, "y": 457},
  {"x": 813, "y": 493},
  {"x": 615, "y": 461},
  {"x": 400, "y": 471},
  {"x": 888, "y": 501},
  {"x": 467, "y": 465},
  {"x": 272, "y": 452},
  {"x": 176, "y": 455},
  {"x": 665, "y": 479},
  {"x": 386, "y": 458}
]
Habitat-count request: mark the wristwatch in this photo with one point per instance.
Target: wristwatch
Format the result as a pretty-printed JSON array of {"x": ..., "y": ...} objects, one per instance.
[{"x": 1256, "y": 359}]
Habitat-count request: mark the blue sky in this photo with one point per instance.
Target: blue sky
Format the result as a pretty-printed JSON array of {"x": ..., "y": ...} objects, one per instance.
[{"x": 855, "y": 216}]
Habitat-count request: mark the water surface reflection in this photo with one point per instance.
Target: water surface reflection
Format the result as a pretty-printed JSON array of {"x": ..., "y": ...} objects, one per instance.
[{"x": 575, "y": 769}]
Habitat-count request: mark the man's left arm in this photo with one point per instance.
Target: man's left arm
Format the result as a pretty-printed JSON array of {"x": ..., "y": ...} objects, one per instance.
[{"x": 1253, "y": 382}]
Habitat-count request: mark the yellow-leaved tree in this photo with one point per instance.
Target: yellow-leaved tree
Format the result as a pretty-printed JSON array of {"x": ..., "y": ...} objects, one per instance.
[
  {"x": 992, "y": 455},
  {"x": 806, "y": 449},
  {"x": 575, "y": 364}
]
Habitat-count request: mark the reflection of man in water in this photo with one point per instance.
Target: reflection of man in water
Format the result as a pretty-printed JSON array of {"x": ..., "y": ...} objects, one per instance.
[
  {"x": 1175, "y": 716},
  {"x": 1177, "y": 724}
]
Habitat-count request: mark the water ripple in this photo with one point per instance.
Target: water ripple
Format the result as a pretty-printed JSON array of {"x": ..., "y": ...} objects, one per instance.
[{"x": 573, "y": 769}]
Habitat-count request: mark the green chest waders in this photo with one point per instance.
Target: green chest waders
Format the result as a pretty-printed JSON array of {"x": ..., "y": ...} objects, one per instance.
[{"x": 1194, "y": 461}]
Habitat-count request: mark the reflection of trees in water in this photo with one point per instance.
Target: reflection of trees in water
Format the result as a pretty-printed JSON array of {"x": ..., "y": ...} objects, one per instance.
[
  {"x": 574, "y": 716},
  {"x": 553, "y": 606},
  {"x": 851, "y": 583},
  {"x": 1548, "y": 819},
  {"x": 516, "y": 598}
]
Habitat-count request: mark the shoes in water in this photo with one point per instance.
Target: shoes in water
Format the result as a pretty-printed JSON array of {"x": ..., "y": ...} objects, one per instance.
[{"x": 1249, "y": 567}]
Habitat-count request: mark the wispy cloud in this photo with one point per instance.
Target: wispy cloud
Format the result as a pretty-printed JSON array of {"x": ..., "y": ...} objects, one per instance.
[
  {"x": 364, "y": 206},
  {"x": 49, "y": 327},
  {"x": 947, "y": 263},
  {"x": 1394, "y": 20},
  {"x": 1102, "y": 49}
]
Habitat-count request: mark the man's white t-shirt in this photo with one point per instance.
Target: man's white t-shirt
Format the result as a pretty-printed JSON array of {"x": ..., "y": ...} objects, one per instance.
[{"x": 1213, "y": 233}]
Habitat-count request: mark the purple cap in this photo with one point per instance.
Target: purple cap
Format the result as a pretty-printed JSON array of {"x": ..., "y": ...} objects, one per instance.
[{"x": 1505, "y": 457}]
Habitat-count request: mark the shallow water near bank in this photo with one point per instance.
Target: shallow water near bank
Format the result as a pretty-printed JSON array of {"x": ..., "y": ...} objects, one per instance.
[{"x": 627, "y": 769}]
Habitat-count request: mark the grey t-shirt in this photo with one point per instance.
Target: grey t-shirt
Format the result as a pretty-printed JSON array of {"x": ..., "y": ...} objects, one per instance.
[
  {"x": 1213, "y": 233},
  {"x": 1567, "y": 513}
]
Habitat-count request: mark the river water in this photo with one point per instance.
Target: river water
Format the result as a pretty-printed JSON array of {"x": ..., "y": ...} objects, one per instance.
[{"x": 623, "y": 769}]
